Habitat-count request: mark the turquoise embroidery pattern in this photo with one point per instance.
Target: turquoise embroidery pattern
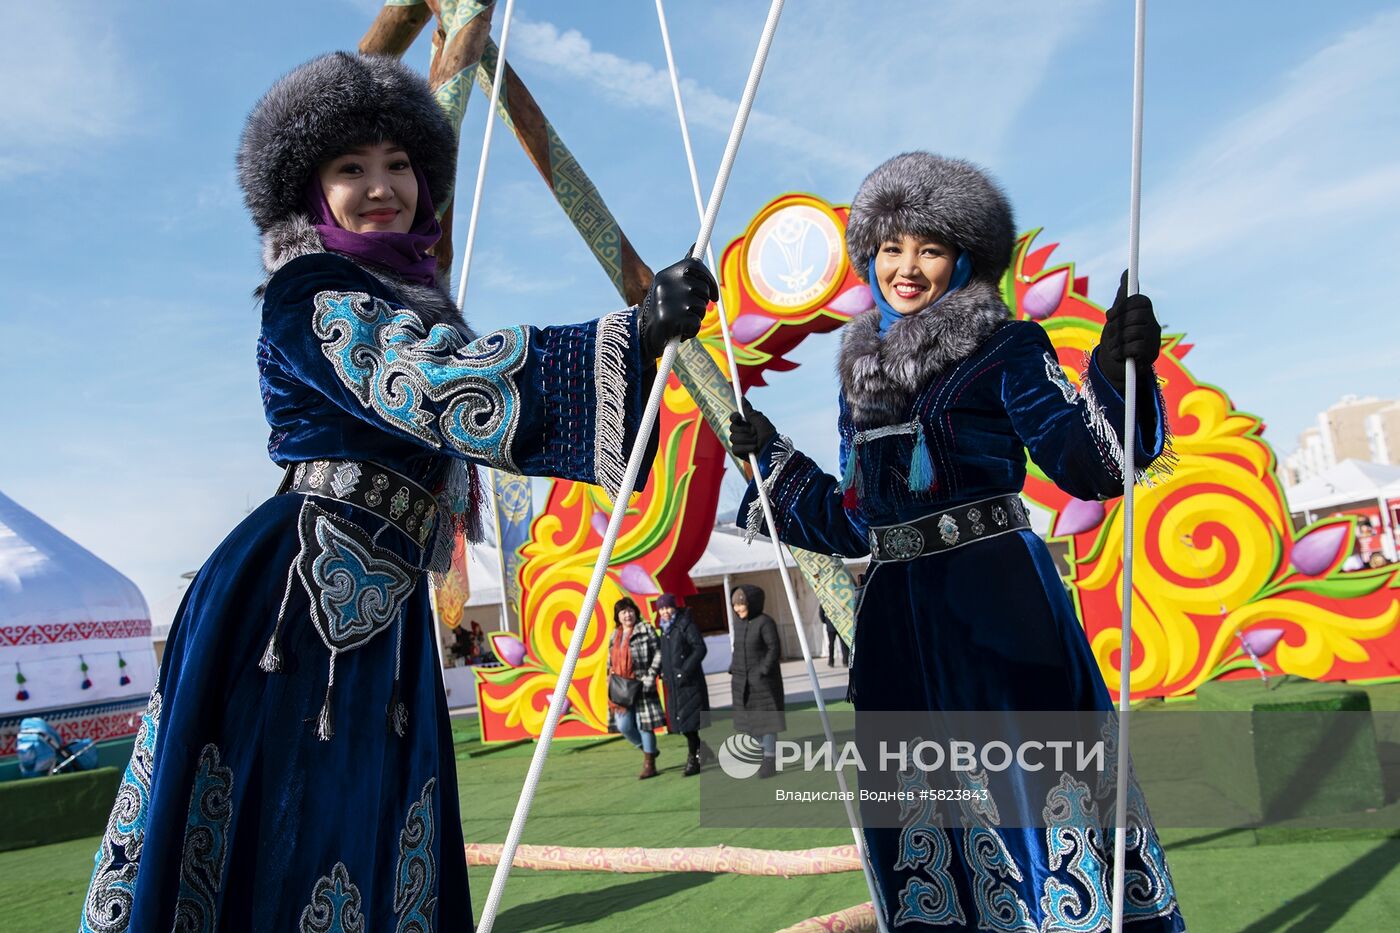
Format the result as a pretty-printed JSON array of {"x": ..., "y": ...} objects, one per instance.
[
  {"x": 1074, "y": 841},
  {"x": 356, "y": 589},
  {"x": 1147, "y": 890},
  {"x": 415, "y": 899},
  {"x": 925, "y": 847},
  {"x": 1074, "y": 895},
  {"x": 206, "y": 845},
  {"x": 107, "y": 908},
  {"x": 335, "y": 905},
  {"x": 1147, "y": 885},
  {"x": 427, "y": 382}
]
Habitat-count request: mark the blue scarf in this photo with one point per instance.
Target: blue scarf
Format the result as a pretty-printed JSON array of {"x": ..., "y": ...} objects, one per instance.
[{"x": 962, "y": 274}]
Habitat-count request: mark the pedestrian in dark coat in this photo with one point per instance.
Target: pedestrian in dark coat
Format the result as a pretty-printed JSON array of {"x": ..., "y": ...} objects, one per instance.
[
  {"x": 687, "y": 696},
  {"x": 833, "y": 637},
  {"x": 755, "y": 677}
]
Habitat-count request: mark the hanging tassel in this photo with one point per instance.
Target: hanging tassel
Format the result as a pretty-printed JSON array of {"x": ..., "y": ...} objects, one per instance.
[
  {"x": 856, "y": 492},
  {"x": 121, "y": 669},
  {"x": 87, "y": 681},
  {"x": 325, "y": 723},
  {"x": 920, "y": 464},
  {"x": 851, "y": 480},
  {"x": 20, "y": 679},
  {"x": 271, "y": 661},
  {"x": 396, "y": 713}
]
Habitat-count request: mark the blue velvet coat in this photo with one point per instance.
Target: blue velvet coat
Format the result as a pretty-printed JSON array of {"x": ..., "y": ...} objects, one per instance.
[
  {"x": 986, "y": 626},
  {"x": 234, "y": 814}
]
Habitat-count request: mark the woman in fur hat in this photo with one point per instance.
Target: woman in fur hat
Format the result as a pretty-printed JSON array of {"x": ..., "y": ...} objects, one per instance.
[
  {"x": 294, "y": 770},
  {"x": 942, "y": 396}
]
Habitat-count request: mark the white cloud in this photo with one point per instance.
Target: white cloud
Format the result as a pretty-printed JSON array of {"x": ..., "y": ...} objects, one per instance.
[
  {"x": 67, "y": 85},
  {"x": 638, "y": 84},
  {"x": 1312, "y": 157},
  {"x": 953, "y": 76}
]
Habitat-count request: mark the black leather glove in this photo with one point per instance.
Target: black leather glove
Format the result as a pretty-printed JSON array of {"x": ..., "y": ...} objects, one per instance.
[
  {"x": 750, "y": 432},
  {"x": 1132, "y": 332},
  {"x": 675, "y": 304}
]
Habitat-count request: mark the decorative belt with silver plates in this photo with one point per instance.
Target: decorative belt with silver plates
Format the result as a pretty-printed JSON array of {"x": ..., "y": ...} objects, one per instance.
[
  {"x": 949, "y": 529},
  {"x": 390, "y": 495}
]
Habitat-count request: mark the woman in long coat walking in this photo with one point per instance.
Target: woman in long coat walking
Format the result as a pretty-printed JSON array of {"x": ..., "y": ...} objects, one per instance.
[
  {"x": 687, "y": 695},
  {"x": 755, "y": 674}
]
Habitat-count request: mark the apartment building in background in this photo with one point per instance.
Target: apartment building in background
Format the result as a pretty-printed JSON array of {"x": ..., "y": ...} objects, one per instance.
[{"x": 1355, "y": 428}]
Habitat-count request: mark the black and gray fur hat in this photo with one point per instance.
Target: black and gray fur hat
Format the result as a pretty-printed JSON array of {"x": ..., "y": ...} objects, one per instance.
[
  {"x": 923, "y": 194},
  {"x": 327, "y": 106}
]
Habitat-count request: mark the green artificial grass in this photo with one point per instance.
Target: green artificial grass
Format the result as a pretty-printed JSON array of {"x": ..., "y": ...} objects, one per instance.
[{"x": 1228, "y": 881}]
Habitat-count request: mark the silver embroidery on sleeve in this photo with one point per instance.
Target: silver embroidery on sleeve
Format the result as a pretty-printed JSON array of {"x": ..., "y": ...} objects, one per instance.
[{"x": 610, "y": 381}]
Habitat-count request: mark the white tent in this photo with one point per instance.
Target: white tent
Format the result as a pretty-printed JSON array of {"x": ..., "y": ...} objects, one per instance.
[
  {"x": 61, "y": 607},
  {"x": 1351, "y": 483}
]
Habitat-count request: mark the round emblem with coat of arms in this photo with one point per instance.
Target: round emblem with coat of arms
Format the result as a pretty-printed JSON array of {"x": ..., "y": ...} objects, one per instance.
[{"x": 794, "y": 255}]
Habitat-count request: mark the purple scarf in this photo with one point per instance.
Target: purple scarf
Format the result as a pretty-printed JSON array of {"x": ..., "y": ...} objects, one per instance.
[{"x": 404, "y": 254}]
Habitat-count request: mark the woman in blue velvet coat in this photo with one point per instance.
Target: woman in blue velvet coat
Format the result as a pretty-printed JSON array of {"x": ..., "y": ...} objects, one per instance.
[
  {"x": 295, "y": 769},
  {"x": 942, "y": 397}
]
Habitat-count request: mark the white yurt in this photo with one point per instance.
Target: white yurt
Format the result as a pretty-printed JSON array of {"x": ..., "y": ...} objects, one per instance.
[{"x": 75, "y": 635}]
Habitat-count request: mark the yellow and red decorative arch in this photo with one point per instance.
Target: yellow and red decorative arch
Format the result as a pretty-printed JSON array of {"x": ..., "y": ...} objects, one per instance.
[{"x": 1218, "y": 561}]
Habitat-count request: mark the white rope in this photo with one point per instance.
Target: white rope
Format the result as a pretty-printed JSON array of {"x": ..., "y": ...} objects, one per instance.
[
  {"x": 624, "y": 495},
  {"x": 1125, "y": 657},
  {"x": 783, "y": 571},
  {"x": 485, "y": 156}
]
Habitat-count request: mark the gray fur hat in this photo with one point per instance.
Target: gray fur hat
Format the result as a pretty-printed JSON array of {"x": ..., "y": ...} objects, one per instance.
[
  {"x": 923, "y": 194},
  {"x": 326, "y": 107}
]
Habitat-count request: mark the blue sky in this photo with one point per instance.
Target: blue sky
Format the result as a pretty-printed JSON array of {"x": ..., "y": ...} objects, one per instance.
[{"x": 132, "y": 419}]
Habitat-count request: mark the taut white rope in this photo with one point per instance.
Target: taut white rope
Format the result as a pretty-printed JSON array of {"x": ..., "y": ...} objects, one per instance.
[
  {"x": 629, "y": 482},
  {"x": 496, "y": 83},
  {"x": 767, "y": 506},
  {"x": 1125, "y": 656}
]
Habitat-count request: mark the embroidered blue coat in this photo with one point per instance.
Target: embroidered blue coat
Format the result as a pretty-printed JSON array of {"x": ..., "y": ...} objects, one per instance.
[
  {"x": 236, "y": 813},
  {"x": 985, "y": 626}
]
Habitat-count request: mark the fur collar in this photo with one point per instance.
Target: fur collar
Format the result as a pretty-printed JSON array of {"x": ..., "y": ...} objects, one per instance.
[
  {"x": 881, "y": 377},
  {"x": 294, "y": 237}
]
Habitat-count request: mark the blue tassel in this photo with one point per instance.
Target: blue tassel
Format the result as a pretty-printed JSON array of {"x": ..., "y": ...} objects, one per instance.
[
  {"x": 920, "y": 465},
  {"x": 848, "y": 472}
]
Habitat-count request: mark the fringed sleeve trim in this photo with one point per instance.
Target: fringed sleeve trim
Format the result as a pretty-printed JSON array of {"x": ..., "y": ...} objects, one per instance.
[
  {"x": 1110, "y": 443},
  {"x": 610, "y": 373}
]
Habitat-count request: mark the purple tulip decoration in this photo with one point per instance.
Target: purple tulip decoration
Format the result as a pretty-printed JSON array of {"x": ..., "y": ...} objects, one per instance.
[
  {"x": 749, "y": 326},
  {"x": 853, "y": 301},
  {"x": 1261, "y": 641},
  {"x": 1043, "y": 298},
  {"x": 508, "y": 648},
  {"x": 600, "y": 524},
  {"x": 568, "y": 704},
  {"x": 1079, "y": 516},
  {"x": 637, "y": 581},
  {"x": 1318, "y": 549}
]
